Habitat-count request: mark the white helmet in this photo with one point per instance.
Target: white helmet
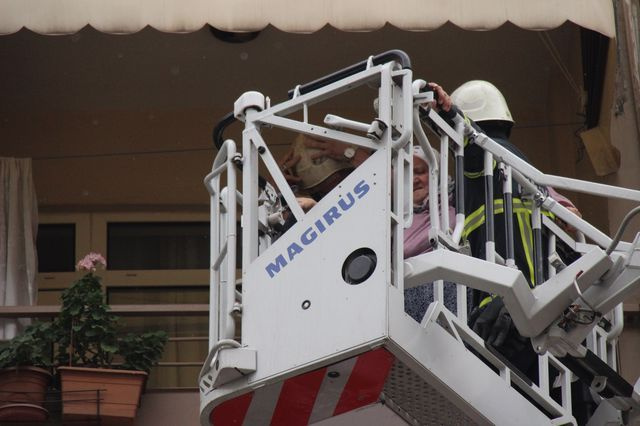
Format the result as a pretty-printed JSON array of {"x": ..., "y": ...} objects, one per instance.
[{"x": 481, "y": 101}]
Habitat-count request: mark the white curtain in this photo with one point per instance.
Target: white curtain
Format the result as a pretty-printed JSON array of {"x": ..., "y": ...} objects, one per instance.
[{"x": 18, "y": 228}]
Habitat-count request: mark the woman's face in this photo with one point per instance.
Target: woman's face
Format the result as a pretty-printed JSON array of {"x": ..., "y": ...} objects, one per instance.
[{"x": 420, "y": 180}]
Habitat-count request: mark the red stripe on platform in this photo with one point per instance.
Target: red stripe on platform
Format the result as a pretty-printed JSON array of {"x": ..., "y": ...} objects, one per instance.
[
  {"x": 231, "y": 412},
  {"x": 297, "y": 397},
  {"x": 366, "y": 380}
]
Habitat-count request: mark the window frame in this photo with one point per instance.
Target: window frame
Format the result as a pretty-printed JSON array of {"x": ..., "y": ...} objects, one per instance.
[
  {"x": 91, "y": 235},
  {"x": 82, "y": 222},
  {"x": 146, "y": 277}
]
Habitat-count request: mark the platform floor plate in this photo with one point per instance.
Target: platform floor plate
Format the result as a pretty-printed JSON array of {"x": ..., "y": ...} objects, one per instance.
[{"x": 417, "y": 402}]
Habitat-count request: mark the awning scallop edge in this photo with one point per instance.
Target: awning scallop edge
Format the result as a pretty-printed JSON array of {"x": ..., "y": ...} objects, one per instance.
[{"x": 298, "y": 16}]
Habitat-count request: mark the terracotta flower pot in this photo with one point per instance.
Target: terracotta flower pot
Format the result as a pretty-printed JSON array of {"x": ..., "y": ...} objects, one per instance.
[
  {"x": 111, "y": 395},
  {"x": 22, "y": 394}
]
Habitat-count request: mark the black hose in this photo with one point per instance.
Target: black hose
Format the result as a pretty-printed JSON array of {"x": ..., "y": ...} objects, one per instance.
[
  {"x": 621, "y": 229},
  {"x": 219, "y": 129},
  {"x": 391, "y": 55},
  {"x": 218, "y": 140}
]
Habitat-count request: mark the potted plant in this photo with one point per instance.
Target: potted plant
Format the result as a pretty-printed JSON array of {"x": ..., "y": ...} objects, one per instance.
[
  {"x": 101, "y": 372},
  {"x": 24, "y": 375}
]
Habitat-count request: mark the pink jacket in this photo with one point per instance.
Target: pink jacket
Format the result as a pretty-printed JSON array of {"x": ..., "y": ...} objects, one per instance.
[{"x": 416, "y": 237}]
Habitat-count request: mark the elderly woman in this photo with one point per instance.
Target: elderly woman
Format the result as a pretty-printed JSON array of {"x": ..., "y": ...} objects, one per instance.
[{"x": 416, "y": 240}]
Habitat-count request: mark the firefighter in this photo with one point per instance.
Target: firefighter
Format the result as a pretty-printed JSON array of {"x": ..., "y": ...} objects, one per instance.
[{"x": 483, "y": 104}]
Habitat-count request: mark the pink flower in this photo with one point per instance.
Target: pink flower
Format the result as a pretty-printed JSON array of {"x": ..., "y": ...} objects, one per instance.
[{"x": 91, "y": 262}]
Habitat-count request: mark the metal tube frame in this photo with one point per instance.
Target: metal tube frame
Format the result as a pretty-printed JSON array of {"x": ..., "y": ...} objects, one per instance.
[
  {"x": 222, "y": 274},
  {"x": 530, "y": 173},
  {"x": 603, "y": 280}
]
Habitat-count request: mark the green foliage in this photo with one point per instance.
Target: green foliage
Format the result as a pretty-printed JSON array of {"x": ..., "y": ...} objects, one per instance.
[
  {"x": 141, "y": 352},
  {"x": 86, "y": 327},
  {"x": 31, "y": 348},
  {"x": 87, "y": 332}
]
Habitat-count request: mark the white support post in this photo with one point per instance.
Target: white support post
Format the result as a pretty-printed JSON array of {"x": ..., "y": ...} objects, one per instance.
[
  {"x": 543, "y": 373},
  {"x": 231, "y": 242},
  {"x": 227, "y": 297},
  {"x": 402, "y": 110},
  {"x": 438, "y": 291},
  {"x": 267, "y": 158},
  {"x": 461, "y": 302},
  {"x": 214, "y": 246},
  {"x": 402, "y": 211},
  {"x": 418, "y": 132},
  {"x": 250, "y": 194},
  {"x": 400, "y": 157},
  {"x": 552, "y": 253},
  {"x": 445, "y": 226},
  {"x": 222, "y": 273}
]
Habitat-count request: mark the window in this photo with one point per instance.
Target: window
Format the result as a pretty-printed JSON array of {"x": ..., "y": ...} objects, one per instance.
[
  {"x": 62, "y": 238},
  {"x": 56, "y": 245},
  {"x": 152, "y": 258},
  {"x": 157, "y": 245}
]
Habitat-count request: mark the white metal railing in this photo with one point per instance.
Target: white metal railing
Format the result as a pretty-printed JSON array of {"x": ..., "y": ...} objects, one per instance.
[
  {"x": 601, "y": 339},
  {"x": 541, "y": 392},
  {"x": 402, "y": 112},
  {"x": 602, "y": 342},
  {"x": 222, "y": 298}
]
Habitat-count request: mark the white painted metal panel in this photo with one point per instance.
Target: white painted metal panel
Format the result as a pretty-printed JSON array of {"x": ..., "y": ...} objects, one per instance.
[{"x": 339, "y": 316}]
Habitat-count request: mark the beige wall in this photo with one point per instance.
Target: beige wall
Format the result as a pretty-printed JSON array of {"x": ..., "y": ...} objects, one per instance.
[
  {"x": 124, "y": 122},
  {"x": 182, "y": 408},
  {"x": 170, "y": 408},
  {"x": 629, "y": 347},
  {"x": 111, "y": 159},
  {"x": 622, "y": 116},
  {"x": 564, "y": 152}
]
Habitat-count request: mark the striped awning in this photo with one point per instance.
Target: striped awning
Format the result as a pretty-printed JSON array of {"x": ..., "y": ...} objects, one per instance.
[{"x": 299, "y": 16}]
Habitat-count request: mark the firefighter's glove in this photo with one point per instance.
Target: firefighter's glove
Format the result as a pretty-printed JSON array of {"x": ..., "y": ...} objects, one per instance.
[{"x": 492, "y": 322}]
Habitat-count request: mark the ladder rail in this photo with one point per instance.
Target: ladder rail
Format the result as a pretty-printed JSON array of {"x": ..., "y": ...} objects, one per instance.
[{"x": 222, "y": 274}]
